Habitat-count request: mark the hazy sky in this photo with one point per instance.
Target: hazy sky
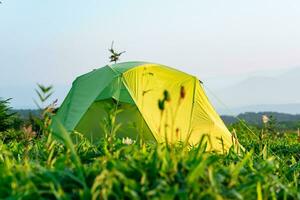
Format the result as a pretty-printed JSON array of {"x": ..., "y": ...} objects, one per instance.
[{"x": 53, "y": 41}]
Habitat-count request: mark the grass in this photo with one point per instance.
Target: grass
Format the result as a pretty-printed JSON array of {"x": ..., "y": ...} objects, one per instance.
[{"x": 55, "y": 167}]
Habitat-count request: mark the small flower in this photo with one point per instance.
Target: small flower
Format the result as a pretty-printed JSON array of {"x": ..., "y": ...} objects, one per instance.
[
  {"x": 265, "y": 119},
  {"x": 127, "y": 141},
  {"x": 28, "y": 132},
  {"x": 182, "y": 92}
]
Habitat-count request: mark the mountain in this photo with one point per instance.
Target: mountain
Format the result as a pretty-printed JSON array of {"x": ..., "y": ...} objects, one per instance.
[{"x": 263, "y": 93}]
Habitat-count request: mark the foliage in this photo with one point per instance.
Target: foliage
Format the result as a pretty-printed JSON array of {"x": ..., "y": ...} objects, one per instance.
[
  {"x": 55, "y": 167},
  {"x": 44, "y": 93},
  {"x": 6, "y": 116},
  {"x": 114, "y": 57},
  {"x": 40, "y": 123}
]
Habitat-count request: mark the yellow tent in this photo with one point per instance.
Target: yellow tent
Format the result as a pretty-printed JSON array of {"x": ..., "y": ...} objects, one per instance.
[{"x": 155, "y": 103}]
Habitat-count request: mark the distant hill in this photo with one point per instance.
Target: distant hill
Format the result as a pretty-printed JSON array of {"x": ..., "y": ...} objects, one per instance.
[
  {"x": 25, "y": 113},
  {"x": 271, "y": 93},
  {"x": 293, "y": 108},
  {"x": 284, "y": 120}
]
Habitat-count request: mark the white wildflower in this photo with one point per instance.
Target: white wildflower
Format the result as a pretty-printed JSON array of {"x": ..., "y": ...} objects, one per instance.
[
  {"x": 265, "y": 119},
  {"x": 127, "y": 141}
]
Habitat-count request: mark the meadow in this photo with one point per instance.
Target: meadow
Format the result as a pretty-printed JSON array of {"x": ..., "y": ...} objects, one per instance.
[{"x": 38, "y": 164}]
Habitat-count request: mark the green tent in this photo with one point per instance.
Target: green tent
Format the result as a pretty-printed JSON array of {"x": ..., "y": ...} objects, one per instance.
[{"x": 142, "y": 100}]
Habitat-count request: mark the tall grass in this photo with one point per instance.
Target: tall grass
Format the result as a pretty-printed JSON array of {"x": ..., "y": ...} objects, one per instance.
[{"x": 63, "y": 169}]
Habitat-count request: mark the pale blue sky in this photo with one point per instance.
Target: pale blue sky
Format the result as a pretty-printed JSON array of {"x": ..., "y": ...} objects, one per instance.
[{"x": 53, "y": 41}]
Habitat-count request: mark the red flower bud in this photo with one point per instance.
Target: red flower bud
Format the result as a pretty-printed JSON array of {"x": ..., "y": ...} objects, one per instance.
[{"x": 182, "y": 92}]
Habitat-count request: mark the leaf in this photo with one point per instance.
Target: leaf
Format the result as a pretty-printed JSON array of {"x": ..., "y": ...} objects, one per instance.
[
  {"x": 198, "y": 170},
  {"x": 237, "y": 168},
  {"x": 64, "y": 137},
  {"x": 258, "y": 191}
]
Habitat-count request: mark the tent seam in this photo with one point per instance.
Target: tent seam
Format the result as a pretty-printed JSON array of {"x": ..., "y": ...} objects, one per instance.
[
  {"x": 193, "y": 105},
  {"x": 92, "y": 103}
]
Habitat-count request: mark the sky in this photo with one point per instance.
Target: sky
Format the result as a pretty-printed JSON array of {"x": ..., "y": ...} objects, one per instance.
[{"x": 54, "y": 41}]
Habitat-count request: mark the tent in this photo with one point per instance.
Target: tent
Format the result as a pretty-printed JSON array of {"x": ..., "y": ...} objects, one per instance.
[{"x": 145, "y": 101}]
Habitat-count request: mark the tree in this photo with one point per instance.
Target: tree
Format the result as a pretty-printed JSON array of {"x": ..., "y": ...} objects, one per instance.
[{"x": 6, "y": 116}]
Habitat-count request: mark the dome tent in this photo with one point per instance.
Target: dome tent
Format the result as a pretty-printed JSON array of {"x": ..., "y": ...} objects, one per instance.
[{"x": 154, "y": 103}]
